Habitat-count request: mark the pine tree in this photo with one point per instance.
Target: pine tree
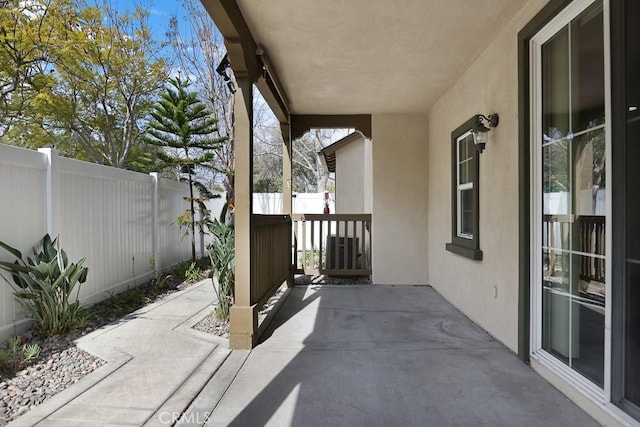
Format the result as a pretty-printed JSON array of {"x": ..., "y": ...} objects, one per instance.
[{"x": 184, "y": 128}]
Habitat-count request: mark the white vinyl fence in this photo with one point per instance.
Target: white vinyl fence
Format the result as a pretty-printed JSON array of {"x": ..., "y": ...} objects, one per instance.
[
  {"x": 122, "y": 222},
  {"x": 309, "y": 203},
  {"x": 302, "y": 203}
]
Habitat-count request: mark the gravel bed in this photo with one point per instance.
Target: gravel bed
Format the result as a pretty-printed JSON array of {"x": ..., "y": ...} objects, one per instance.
[
  {"x": 328, "y": 280},
  {"x": 212, "y": 325},
  {"x": 59, "y": 365}
]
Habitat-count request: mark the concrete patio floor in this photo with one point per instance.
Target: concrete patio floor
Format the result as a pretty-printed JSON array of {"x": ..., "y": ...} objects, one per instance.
[{"x": 378, "y": 356}]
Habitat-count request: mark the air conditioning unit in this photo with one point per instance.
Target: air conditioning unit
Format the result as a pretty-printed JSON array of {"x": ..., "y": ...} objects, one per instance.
[{"x": 335, "y": 259}]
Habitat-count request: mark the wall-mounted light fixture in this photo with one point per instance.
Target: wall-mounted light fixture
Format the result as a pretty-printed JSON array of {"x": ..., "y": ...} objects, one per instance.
[
  {"x": 222, "y": 68},
  {"x": 481, "y": 129}
]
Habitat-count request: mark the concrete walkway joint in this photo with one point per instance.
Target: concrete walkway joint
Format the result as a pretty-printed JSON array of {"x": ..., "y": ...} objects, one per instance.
[{"x": 157, "y": 364}]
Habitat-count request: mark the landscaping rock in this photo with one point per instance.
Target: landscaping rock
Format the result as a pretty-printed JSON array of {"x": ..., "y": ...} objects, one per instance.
[
  {"x": 56, "y": 370},
  {"x": 61, "y": 364},
  {"x": 212, "y": 325}
]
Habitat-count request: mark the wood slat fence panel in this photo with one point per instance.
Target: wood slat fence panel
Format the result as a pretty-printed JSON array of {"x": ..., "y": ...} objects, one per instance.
[{"x": 332, "y": 244}]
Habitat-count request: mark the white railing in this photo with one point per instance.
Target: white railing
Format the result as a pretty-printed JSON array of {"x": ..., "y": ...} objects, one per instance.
[
  {"x": 122, "y": 222},
  {"x": 336, "y": 244}
]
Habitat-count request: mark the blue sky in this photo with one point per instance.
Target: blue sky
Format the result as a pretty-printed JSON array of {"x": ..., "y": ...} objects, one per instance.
[{"x": 160, "y": 12}]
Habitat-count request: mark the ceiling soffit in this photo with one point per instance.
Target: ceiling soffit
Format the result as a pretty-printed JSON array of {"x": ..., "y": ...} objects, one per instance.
[{"x": 363, "y": 56}]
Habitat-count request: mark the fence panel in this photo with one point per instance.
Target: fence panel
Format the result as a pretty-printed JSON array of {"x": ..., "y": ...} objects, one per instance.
[
  {"x": 22, "y": 224},
  {"x": 106, "y": 215},
  {"x": 107, "y": 219},
  {"x": 215, "y": 207},
  {"x": 103, "y": 214},
  {"x": 271, "y": 203},
  {"x": 174, "y": 244}
]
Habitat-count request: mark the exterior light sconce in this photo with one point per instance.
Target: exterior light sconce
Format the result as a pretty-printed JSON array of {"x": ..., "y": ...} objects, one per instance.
[
  {"x": 481, "y": 128},
  {"x": 222, "y": 68}
]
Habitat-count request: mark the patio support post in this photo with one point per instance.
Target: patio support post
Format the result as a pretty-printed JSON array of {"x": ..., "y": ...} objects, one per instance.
[
  {"x": 287, "y": 183},
  {"x": 286, "y": 169},
  {"x": 250, "y": 66},
  {"x": 243, "y": 314}
]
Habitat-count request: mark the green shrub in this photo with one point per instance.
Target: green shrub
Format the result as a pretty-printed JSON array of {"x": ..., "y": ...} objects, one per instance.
[
  {"x": 189, "y": 271},
  {"x": 160, "y": 282},
  {"x": 44, "y": 284},
  {"x": 223, "y": 264},
  {"x": 193, "y": 273},
  {"x": 182, "y": 268},
  {"x": 13, "y": 357}
]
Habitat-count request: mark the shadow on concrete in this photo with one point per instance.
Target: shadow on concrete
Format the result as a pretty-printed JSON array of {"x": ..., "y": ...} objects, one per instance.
[{"x": 380, "y": 356}]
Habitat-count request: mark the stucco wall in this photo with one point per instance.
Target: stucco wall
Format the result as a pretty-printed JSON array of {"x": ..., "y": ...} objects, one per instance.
[
  {"x": 487, "y": 290},
  {"x": 368, "y": 177},
  {"x": 399, "y": 229},
  {"x": 350, "y": 183}
]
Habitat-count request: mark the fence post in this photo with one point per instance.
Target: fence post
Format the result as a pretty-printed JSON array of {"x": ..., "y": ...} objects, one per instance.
[
  {"x": 155, "y": 225},
  {"x": 52, "y": 189}
]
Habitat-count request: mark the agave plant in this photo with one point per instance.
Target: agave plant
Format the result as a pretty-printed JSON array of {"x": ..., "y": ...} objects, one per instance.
[{"x": 44, "y": 284}]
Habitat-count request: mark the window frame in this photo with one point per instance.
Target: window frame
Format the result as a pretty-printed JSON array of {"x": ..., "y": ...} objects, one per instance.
[
  {"x": 464, "y": 244},
  {"x": 536, "y": 261},
  {"x": 465, "y": 186}
]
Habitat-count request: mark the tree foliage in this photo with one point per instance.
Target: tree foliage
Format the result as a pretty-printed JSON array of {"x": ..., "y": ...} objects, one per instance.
[
  {"x": 33, "y": 37},
  {"x": 199, "y": 55},
  {"x": 185, "y": 130},
  {"x": 107, "y": 84},
  {"x": 307, "y": 173},
  {"x": 82, "y": 77}
]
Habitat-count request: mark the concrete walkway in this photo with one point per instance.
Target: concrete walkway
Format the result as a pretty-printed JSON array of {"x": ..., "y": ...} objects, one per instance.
[
  {"x": 333, "y": 356},
  {"x": 156, "y": 365},
  {"x": 378, "y": 356}
]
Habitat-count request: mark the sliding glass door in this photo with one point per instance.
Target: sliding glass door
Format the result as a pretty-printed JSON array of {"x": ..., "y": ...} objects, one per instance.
[
  {"x": 626, "y": 219},
  {"x": 569, "y": 170}
]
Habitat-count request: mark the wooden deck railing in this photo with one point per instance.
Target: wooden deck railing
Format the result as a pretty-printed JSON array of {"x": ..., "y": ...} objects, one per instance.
[
  {"x": 336, "y": 244},
  {"x": 271, "y": 257},
  {"x": 589, "y": 239},
  {"x": 592, "y": 241}
]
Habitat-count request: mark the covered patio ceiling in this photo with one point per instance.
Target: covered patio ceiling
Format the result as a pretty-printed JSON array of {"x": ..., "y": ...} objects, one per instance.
[{"x": 364, "y": 56}]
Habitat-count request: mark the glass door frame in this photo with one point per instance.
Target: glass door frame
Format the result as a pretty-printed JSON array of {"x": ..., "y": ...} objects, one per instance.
[
  {"x": 620, "y": 105},
  {"x": 537, "y": 353}
]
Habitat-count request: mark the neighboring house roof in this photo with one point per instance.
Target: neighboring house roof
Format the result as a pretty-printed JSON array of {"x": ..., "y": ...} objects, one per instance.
[{"x": 328, "y": 153}]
